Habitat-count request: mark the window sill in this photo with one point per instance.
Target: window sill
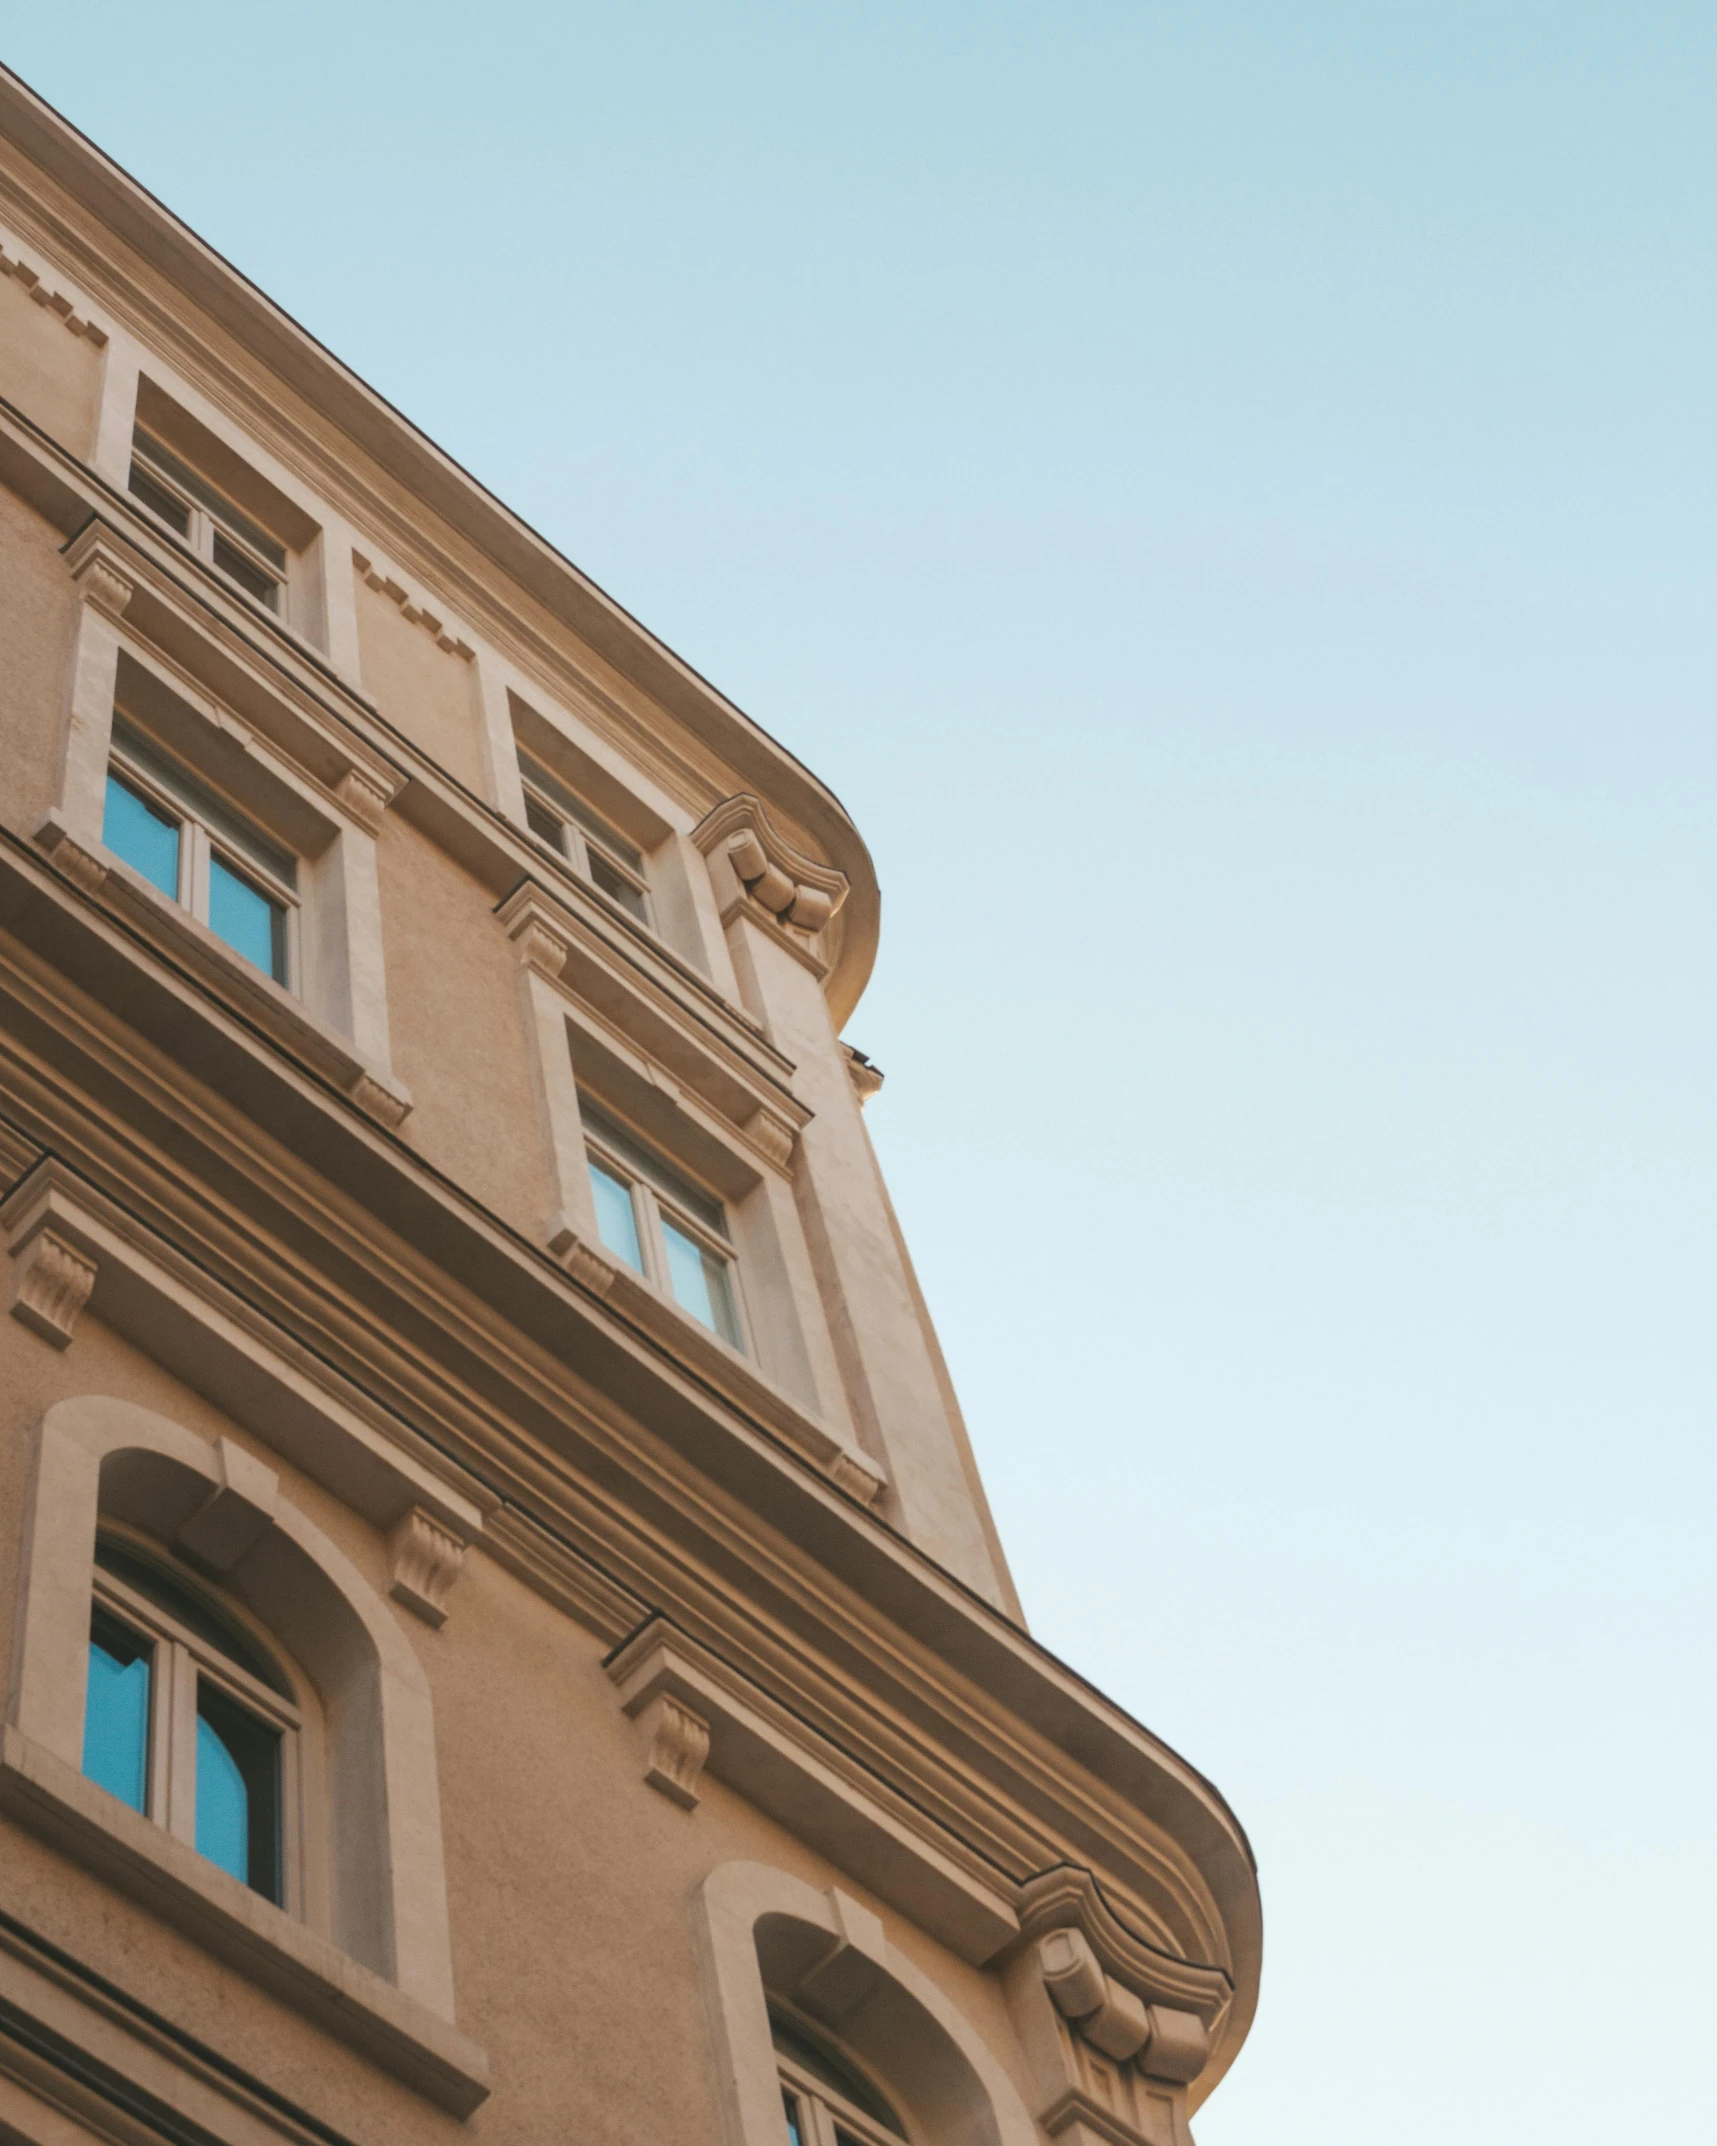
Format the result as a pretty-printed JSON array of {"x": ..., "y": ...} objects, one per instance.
[
  {"x": 259, "y": 1940},
  {"x": 266, "y": 1004},
  {"x": 724, "y": 1368}
]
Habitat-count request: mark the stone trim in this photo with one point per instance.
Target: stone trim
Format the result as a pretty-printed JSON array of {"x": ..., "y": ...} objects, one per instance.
[
  {"x": 858, "y": 1981},
  {"x": 413, "y": 609},
  {"x": 222, "y": 1347},
  {"x": 14, "y": 264},
  {"x": 784, "y": 1766},
  {"x": 263, "y": 1942},
  {"x": 387, "y": 1984}
]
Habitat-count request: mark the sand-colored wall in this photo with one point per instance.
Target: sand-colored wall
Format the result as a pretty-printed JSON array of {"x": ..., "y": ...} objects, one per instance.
[
  {"x": 53, "y": 376},
  {"x": 422, "y": 689}
]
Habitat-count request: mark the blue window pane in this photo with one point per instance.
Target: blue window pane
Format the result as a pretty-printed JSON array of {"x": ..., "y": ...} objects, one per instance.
[
  {"x": 147, "y": 839},
  {"x": 700, "y": 1283},
  {"x": 238, "y": 1791},
  {"x": 223, "y": 1804},
  {"x": 616, "y": 1217},
  {"x": 116, "y": 1712},
  {"x": 790, "y": 2109},
  {"x": 248, "y": 921}
]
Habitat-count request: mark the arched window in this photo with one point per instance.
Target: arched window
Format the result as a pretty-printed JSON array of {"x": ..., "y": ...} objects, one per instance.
[
  {"x": 826, "y": 2035},
  {"x": 827, "y": 2099},
  {"x": 188, "y": 1719},
  {"x": 252, "y": 1756}
]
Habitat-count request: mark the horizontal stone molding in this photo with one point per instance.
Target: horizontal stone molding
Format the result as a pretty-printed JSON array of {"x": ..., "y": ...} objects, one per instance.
[
  {"x": 629, "y": 1014},
  {"x": 359, "y": 2007},
  {"x": 214, "y": 662},
  {"x": 414, "y": 609},
  {"x": 784, "y": 1766},
  {"x": 71, "y": 311},
  {"x": 786, "y": 884},
  {"x": 168, "y": 1307},
  {"x": 1068, "y": 1898}
]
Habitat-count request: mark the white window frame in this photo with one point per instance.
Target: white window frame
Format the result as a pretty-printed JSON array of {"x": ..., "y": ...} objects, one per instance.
[
  {"x": 206, "y": 525},
  {"x": 821, "y": 2110},
  {"x": 199, "y": 842},
  {"x": 652, "y": 1202},
  {"x": 180, "y": 1661},
  {"x": 582, "y": 836}
]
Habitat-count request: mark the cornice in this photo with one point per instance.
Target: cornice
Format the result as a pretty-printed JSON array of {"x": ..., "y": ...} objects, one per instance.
[{"x": 188, "y": 266}]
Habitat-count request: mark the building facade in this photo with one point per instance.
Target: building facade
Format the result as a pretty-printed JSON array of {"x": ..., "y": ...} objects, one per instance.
[{"x": 504, "y": 1635}]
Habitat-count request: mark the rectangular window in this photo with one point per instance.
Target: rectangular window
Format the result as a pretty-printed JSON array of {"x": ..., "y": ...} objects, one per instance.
[
  {"x": 192, "y": 846},
  {"x": 185, "y": 1721},
  {"x": 209, "y": 522},
  {"x": 662, "y": 1226},
  {"x": 569, "y": 827}
]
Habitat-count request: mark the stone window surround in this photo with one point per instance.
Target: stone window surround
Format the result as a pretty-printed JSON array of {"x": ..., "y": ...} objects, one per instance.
[
  {"x": 340, "y": 1023},
  {"x": 761, "y": 1929},
  {"x": 387, "y": 1990},
  {"x": 127, "y": 363},
  {"x": 552, "y": 1016}
]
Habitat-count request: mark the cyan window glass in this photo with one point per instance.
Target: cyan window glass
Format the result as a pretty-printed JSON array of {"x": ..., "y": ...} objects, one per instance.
[
  {"x": 146, "y": 838},
  {"x": 116, "y": 1712},
  {"x": 247, "y": 920},
  {"x": 616, "y": 1217},
  {"x": 700, "y": 1283},
  {"x": 790, "y": 2108},
  {"x": 238, "y": 1791},
  {"x": 223, "y": 1804}
]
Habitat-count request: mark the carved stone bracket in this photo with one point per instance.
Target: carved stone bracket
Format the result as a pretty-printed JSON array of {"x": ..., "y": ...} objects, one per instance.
[
  {"x": 100, "y": 572},
  {"x": 771, "y": 1135},
  {"x": 792, "y": 888},
  {"x": 31, "y": 279},
  {"x": 1068, "y": 1897},
  {"x": 427, "y": 1559},
  {"x": 539, "y": 940},
  {"x": 582, "y": 1261},
  {"x": 81, "y": 866},
  {"x": 677, "y": 1744},
  {"x": 51, "y": 1284},
  {"x": 364, "y": 797},
  {"x": 412, "y": 608},
  {"x": 1133, "y": 2022}
]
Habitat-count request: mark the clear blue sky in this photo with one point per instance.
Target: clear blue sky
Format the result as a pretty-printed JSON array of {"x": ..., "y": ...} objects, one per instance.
[{"x": 1224, "y": 492}]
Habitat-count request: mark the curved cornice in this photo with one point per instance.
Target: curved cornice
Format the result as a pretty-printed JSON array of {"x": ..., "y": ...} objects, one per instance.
[{"x": 410, "y": 457}]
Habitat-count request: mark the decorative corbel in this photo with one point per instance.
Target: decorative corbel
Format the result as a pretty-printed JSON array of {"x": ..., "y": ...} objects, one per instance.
[
  {"x": 789, "y": 887},
  {"x": 68, "y": 855},
  {"x": 366, "y": 796},
  {"x": 772, "y": 1136},
  {"x": 1133, "y": 2022},
  {"x": 677, "y": 1744},
  {"x": 427, "y": 1559},
  {"x": 51, "y": 1284},
  {"x": 100, "y": 573},
  {"x": 539, "y": 938}
]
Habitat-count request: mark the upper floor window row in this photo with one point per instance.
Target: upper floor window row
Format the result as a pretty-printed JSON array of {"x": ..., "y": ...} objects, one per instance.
[
  {"x": 214, "y": 527},
  {"x": 593, "y": 848}
]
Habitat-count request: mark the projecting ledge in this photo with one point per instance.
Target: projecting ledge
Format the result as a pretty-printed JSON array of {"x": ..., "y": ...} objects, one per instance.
[
  {"x": 257, "y": 1939},
  {"x": 817, "y": 1790}
]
